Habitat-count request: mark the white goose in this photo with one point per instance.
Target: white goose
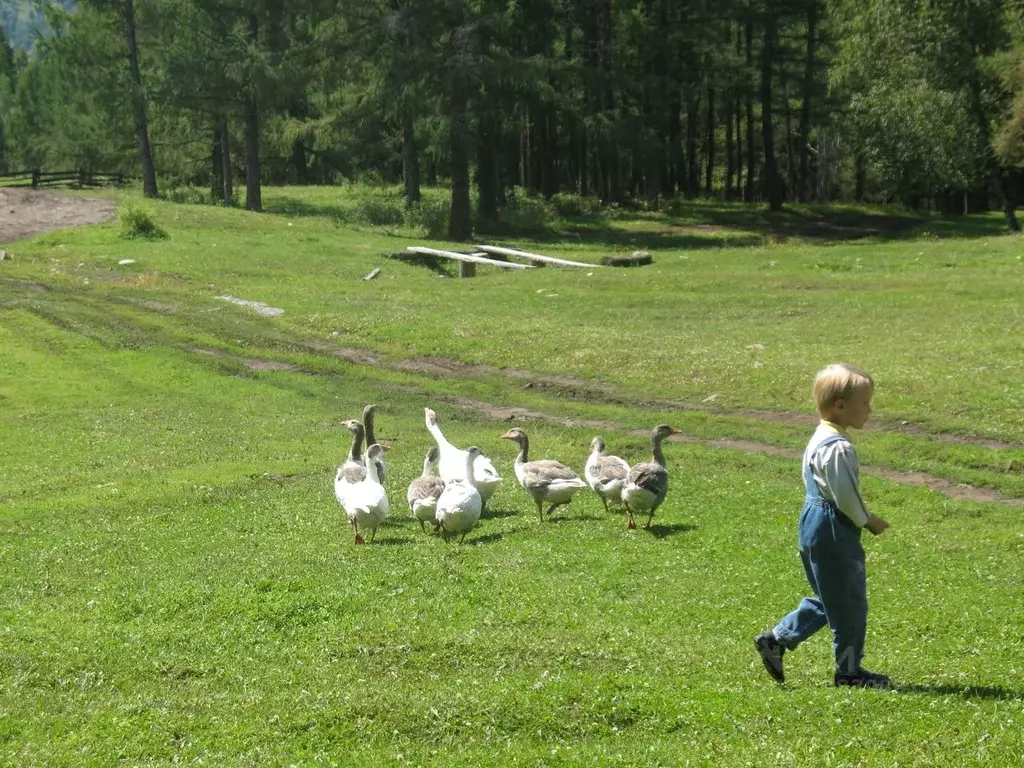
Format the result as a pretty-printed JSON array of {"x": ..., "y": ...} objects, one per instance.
[
  {"x": 368, "y": 413},
  {"x": 458, "y": 507},
  {"x": 546, "y": 480},
  {"x": 452, "y": 463},
  {"x": 366, "y": 502},
  {"x": 352, "y": 470},
  {"x": 647, "y": 484},
  {"x": 606, "y": 475},
  {"x": 425, "y": 490}
]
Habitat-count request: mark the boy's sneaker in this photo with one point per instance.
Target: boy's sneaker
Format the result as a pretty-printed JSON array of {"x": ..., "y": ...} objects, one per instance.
[
  {"x": 771, "y": 650},
  {"x": 863, "y": 679}
]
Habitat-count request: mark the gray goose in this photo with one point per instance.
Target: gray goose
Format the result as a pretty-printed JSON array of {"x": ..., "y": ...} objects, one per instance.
[
  {"x": 647, "y": 484},
  {"x": 368, "y": 414},
  {"x": 606, "y": 475},
  {"x": 546, "y": 480},
  {"x": 425, "y": 490}
]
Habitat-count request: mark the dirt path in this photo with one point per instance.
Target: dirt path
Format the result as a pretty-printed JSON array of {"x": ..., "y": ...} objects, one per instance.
[
  {"x": 25, "y": 212},
  {"x": 494, "y": 412},
  {"x": 574, "y": 388}
]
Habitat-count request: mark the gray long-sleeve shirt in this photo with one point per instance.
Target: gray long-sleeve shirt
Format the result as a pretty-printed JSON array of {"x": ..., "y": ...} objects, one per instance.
[{"x": 836, "y": 472}]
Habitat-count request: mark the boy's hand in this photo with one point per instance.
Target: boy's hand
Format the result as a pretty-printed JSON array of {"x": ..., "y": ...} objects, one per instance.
[{"x": 876, "y": 524}]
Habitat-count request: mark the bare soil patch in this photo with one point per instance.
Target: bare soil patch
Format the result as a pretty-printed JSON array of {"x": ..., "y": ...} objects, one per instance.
[
  {"x": 949, "y": 488},
  {"x": 25, "y": 212},
  {"x": 496, "y": 412}
]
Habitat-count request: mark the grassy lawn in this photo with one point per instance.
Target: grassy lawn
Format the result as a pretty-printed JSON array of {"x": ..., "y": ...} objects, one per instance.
[{"x": 177, "y": 584}]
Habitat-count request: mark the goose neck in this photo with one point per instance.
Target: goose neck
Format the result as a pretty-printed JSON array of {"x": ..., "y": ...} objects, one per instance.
[
  {"x": 659, "y": 457},
  {"x": 371, "y": 469},
  {"x": 368, "y": 426},
  {"x": 356, "y": 451}
]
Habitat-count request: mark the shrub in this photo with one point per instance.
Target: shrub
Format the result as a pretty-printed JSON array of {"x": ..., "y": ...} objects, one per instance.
[
  {"x": 138, "y": 223},
  {"x": 382, "y": 211},
  {"x": 431, "y": 214},
  {"x": 526, "y": 210},
  {"x": 569, "y": 204}
]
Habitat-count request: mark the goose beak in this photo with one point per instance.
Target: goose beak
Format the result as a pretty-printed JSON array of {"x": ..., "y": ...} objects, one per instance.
[
  {"x": 385, "y": 446},
  {"x": 675, "y": 431},
  {"x": 508, "y": 436}
]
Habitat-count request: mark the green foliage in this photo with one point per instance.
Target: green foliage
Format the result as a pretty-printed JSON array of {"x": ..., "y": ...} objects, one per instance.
[
  {"x": 570, "y": 204},
  {"x": 1008, "y": 141},
  {"x": 381, "y": 212},
  {"x": 429, "y": 215},
  {"x": 138, "y": 222},
  {"x": 917, "y": 139}
]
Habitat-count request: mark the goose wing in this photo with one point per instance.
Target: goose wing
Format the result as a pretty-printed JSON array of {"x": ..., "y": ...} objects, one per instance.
[
  {"x": 547, "y": 471},
  {"x": 608, "y": 468},
  {"x": 650, "y": 476},
  {"x": 425, "y": 488}
]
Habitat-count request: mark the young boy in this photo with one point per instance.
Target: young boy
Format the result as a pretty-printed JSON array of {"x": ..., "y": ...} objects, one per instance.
[{"x": 829, "y": 535}]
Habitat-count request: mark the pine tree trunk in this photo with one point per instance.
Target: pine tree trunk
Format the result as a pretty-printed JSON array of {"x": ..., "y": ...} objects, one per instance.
[
  {"x": 410, "y": 159},
  {"x": 739, "y": 147},
  {"x": 299, "y": 160},
  {"x": 460, "y": 225},
  {"x": 676, "y": 170},
  {"x": 787, "y": 122},
  {"x": 803, "y": 186},
  {"x": 773, "y": 186},
  {"x": 431, "y": 170},
  {"x": 1009, "y": 189},
  {"x": 216, "y": 163},
  {"x": 730, "y": 166},
  {"x": 253, "y": 192},
  {"x": 549, "y": 164},
  {"x": 692, "y": 161},
  {"x": 139, "y": 102},
  {"x": 227, "y": 173},
  {"x": 486, "y": 165},
  {"x": 710, "y": 156},
  {"x": 748, "y": 194}
]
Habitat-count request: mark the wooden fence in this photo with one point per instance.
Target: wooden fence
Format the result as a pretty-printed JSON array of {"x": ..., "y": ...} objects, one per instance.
[{"x": 79, "y": 179}]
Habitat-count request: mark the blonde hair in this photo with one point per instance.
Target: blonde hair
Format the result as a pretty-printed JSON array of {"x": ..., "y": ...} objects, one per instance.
[{"x": 838, "y": 381}]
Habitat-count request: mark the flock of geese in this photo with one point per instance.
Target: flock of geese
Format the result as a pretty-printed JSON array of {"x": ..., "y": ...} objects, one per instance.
[{"x": 452, "y": 500}]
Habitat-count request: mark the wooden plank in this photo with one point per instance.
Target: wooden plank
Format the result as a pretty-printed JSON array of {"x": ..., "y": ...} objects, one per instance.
[
  {"x": 534, "y": 256},
  {"x": 466, "y": 257}
]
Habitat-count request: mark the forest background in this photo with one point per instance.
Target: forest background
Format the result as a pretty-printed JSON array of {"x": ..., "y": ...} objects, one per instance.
[{"x": 589, "y": 103}]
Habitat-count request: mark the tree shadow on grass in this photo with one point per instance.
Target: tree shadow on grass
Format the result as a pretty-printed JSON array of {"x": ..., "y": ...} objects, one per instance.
[
  {"x": 661, "y": 530},
  {"x": 702, "y": 226},
  {"x": 965, "y": 691},
  {"x": 289, "y": 206}
]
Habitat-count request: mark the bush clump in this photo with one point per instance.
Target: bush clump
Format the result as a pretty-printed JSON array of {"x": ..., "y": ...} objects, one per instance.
[{"x": 138, "y": 223}]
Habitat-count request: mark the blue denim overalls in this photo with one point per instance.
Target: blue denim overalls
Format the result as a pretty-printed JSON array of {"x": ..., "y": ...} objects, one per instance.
[{"x": 833, "y": 560}]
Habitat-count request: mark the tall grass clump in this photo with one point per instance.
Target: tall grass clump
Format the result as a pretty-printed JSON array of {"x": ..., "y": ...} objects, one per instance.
[{"x": 138, "y": 223}]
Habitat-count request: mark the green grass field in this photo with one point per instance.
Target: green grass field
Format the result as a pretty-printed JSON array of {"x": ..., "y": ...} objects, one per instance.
[{"x": 177, "y": 584}]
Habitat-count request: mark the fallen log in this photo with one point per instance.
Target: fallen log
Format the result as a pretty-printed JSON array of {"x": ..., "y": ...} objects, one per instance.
[{"x": 638, "y": 259}]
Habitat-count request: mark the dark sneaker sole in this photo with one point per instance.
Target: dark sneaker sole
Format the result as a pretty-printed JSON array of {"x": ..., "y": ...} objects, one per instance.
[{"x": 768, "y": 658}]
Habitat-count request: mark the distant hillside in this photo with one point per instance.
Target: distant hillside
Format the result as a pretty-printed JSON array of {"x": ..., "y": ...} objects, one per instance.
[{"x": 21, "y": 18}]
